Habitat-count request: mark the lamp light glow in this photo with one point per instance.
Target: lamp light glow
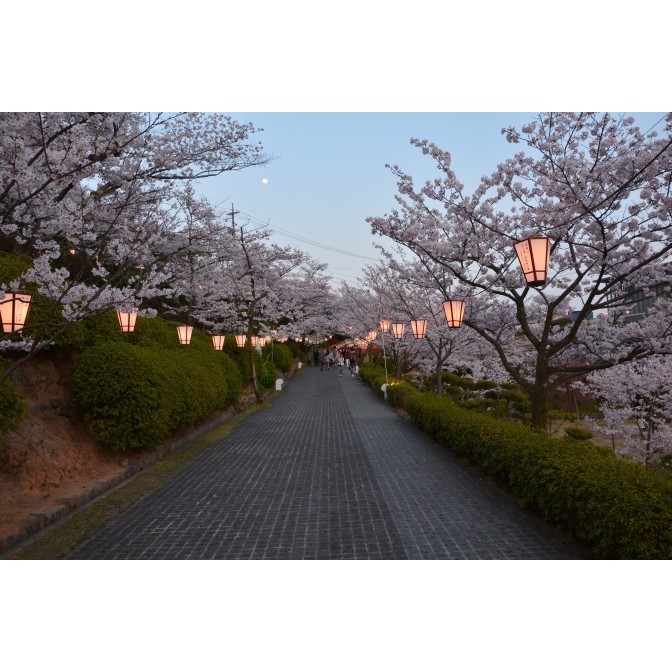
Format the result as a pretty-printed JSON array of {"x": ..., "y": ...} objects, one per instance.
[
  {"x": 419, "y": 328},
  {"x": 398, "y": 329},
  {"x": 184, "y": 334},
  {"x": 454, "y": 310},
  {"x": 127, "y": 320},
  {"x": 14, "y": 311},
  {"x": 534, "y": 254}
]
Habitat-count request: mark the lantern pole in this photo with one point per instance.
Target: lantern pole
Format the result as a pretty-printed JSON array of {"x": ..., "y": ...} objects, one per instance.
[{"x": 384, "y": 325}]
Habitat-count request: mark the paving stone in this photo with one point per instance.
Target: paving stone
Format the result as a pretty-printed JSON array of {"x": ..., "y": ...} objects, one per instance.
[{"x": 328, "y": 471}]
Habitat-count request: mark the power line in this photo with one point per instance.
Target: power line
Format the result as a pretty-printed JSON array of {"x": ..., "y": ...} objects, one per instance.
[{"x": 306, "y": 240}]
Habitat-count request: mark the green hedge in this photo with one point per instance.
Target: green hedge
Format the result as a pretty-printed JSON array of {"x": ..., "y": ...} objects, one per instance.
[
  {"x": 268, "y": 375},
  {"x": 280, "y": 354},
  {"x": 134, "y": 397},
  {"x": 374, "y": 376},
  {"x": 618, "y": 508}
]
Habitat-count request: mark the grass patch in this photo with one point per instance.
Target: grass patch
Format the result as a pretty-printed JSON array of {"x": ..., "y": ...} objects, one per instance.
[{"x": 67, "y": 537}]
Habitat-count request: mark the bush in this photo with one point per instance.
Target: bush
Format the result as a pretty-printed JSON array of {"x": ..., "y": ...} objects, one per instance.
[
  {"x": 374, "y": 376},
  {"x": 155, "y": 332},
  {"x": 130, "y": 402},
  {"x": 618, "y": 508},
  {"x": 268, "y": 375},
  {"x": 134, "y": 397},
  {"x": 578, "y": 434},
  {"x": 280, "y": 354},
  {"x": 91, "y": 331},
  {"x": 397, "y": 391}
]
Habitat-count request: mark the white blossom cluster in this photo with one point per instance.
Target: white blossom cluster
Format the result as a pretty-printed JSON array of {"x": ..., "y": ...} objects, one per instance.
[
  {"x": 102, "y": 206},
  {"x": 599, "y": 190}
]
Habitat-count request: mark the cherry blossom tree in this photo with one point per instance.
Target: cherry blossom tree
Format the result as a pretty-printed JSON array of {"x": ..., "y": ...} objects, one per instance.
[
  {"x": 636, "y": 405},
  {"x": 252, "y": 286},
  {"x": 601, "y": 191},
  {"x": 87, "y": 197}
]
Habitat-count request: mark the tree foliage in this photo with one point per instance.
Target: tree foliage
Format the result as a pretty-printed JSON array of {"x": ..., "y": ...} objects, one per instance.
[{"x": 600, "y": 190}]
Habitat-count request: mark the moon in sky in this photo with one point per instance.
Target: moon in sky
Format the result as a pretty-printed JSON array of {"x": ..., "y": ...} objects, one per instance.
[{"x": 264, "y": 181}]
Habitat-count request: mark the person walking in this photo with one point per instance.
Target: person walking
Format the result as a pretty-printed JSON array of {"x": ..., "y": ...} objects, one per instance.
[
  {"x": 340, "y": 362},
  {"x": 325, "y": 361}
]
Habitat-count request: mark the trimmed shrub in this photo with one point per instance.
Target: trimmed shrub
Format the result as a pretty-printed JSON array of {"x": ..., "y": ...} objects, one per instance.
[
  {"x": 129, "y": 399},
  {"x": 268, "y": 375},
  {"x": 578, "y": 434},
  {"x": 134, "y": 397},
  {"x": 91, "y": 331},
  {"x": 397, "y": 391},
  {"x": 618, "y": 508},
  {"x": 280, "y": 354},
  {"x": 155, "y": 332},
  {"x": 374, "y": 376}
]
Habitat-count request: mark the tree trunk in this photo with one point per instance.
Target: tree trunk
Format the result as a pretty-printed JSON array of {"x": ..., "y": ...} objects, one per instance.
[
  {"x": 439, "y": 378},
  {"x": 255, "y": 383},
  {"x": 539, "y": 395}
]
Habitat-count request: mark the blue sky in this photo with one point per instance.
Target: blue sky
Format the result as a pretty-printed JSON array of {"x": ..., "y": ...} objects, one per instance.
[{"x": 328, "y": 173}]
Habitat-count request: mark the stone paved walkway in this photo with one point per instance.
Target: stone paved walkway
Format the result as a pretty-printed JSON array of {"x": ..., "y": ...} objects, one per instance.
[{"x": 328, "y": 471}]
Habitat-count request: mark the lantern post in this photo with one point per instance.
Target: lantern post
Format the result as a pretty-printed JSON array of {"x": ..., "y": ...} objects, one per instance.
[{"x": 384, "y": 326}]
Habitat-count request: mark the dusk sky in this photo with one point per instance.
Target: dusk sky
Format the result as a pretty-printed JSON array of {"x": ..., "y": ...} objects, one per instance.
[{"x": 328, "y": 173}]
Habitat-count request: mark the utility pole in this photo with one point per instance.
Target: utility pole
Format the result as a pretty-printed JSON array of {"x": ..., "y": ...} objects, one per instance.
[{"x": 233, "y": 220}]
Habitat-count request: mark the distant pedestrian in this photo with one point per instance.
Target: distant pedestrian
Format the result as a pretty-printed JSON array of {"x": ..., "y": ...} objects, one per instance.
[
  {"x": 340, "y": 362},
  {"x": 316, "y": 356},
  {"x": 325, "y": 361}
]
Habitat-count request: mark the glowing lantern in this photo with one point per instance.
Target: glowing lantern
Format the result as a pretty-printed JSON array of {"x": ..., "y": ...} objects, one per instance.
[
  {"x": 218, "y": 341},
  {"x": 371, "y": 336},
  {"x": 384, "y": 325},
  {"x": 398, "y": 329},
  {"x": 14, "y": 311},
  {"x": 454, "y": 313},
  {"x": 184, "y": 334},
  {"x": 534, "y": 254},
  {"x": 240, "y": 340},
  {"x": 127, "y": 320},
  {"x": 419, "y": 328}
]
